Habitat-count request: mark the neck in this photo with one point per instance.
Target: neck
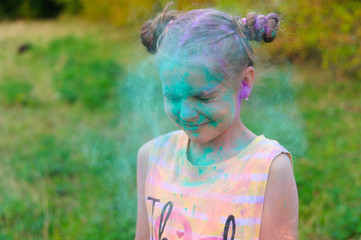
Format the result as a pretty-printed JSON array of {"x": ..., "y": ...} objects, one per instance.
[{"x": 231, "y": 141}]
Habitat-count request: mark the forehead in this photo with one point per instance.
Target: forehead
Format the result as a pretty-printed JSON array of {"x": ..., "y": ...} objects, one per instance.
[{"x": 187, "y": 80}]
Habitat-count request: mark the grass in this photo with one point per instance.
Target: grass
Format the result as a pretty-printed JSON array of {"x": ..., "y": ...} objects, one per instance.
[
  {"x": 62, "y": 160},
  {"x": 68, "y": 148},
  {"x": 328, "y": 175}
]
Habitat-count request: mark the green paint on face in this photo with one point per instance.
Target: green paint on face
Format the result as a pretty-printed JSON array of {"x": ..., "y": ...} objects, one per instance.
[{"x": 197, "y": 102}]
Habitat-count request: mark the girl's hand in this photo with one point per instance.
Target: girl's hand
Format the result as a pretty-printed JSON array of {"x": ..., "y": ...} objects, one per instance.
[{"x": 280, "y": 209}]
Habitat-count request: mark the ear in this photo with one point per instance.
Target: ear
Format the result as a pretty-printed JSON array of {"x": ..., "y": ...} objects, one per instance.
[{"x": 246, "y": 82}]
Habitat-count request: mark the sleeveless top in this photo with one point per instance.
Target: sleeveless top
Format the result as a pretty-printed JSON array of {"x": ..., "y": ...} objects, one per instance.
[{"x": 213, "y": 202}]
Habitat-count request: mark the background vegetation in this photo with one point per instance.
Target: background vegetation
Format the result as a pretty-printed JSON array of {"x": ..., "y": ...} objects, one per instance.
[
  {"x": 326, "y": 31},
  {"x": 76, "y": 106}
]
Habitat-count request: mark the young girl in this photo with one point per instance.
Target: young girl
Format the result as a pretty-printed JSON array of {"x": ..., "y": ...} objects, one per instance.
[{"x": 213, "y": 178}]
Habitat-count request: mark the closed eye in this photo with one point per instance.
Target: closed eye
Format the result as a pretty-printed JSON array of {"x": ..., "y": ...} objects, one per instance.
[
  {"x": 205, "y": 99},
  {"x": 172, "y": 98}
]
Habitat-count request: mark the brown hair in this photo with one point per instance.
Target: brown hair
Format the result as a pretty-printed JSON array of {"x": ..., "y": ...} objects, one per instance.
[{"x": 208, "y": 38}]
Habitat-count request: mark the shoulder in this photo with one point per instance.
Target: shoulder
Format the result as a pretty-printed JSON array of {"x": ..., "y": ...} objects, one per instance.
[
  {"x": 143, "y": 156},
  {"x": 278, "y": 156},
  {"x": 145, "y": 149},
  {"x": 281, "y": 165},
  {"x": 280, "y": 202},
  {"x": 153, "y": 144}
]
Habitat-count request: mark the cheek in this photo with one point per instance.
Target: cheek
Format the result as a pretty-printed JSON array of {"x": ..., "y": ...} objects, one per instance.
[
  {"x": 170, "y": 109},
  {"x": 219, "y": 110}
]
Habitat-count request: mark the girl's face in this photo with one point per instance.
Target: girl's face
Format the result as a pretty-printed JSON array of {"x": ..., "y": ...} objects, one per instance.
[{"x": 199, "y": 104}]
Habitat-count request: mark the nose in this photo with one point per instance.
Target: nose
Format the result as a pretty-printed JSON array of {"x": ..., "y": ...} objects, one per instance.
[{"x": 187, "y": 112}]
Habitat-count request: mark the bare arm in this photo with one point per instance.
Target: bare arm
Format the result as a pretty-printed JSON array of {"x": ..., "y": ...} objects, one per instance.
[
  {"x": 280, "y": 209},
  {"x": 142, "y": 230}
]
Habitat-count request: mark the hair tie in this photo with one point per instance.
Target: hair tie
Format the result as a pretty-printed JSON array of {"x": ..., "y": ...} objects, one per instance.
[
  {"x": 166, "y": 28},
  {"x": 237, "y": 19}
]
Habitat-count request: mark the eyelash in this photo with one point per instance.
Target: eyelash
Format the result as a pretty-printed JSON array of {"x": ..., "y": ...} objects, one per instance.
[
  {"x": 199, "y": 97},
  {"x": 205, "y": 99}
]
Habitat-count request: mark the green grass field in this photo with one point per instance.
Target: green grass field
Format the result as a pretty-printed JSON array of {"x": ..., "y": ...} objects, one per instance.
[{"x": 75, "y": 108}]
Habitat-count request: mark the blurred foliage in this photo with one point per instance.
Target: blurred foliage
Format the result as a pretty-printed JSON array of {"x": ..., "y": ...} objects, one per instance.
[
  {"x": 15, "y": 92},
  {"x": 328, "y": 185},
  {"x": 118, "y": 12},
  {"x": 326, "y": 31},
  {"x": 63, "y": 168},
  {"x": 82, "y": 75},
  {"x": 130, "y": 13},
  {"x": 13, "y": 9},
  {"x": 71, "y": 6},
  {"x": 323, "y": 30}
]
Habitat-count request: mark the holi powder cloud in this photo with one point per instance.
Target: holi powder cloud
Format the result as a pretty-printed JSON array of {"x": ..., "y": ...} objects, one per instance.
[
  {"x": 142, "y": 118},
  {"x": 271, "y": 109}
]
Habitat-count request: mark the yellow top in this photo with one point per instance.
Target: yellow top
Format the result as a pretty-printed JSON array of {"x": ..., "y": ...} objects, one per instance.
[{"x": 207, "y": 202}]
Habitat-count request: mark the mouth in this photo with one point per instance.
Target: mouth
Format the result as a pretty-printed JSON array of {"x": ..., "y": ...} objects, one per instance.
[{"x": 195, "y": 125}]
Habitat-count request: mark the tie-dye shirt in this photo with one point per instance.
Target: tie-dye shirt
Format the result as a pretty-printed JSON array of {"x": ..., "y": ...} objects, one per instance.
[{"x": 210, "y": 202}]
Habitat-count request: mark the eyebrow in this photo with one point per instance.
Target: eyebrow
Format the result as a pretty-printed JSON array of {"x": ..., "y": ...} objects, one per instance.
[{"x": 207, "y": 90}]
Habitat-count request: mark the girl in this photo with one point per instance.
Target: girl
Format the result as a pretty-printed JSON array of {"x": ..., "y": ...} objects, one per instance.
[{"x": 213, "y": 178}]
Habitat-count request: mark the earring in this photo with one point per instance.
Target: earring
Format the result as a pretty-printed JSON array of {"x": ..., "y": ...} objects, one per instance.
[{"x": 246, "y": 98}]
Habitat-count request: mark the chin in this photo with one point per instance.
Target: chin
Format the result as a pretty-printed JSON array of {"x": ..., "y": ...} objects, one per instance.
[
  {"x": 199, "y": 136},
  {"x": 195, "y": 137}
]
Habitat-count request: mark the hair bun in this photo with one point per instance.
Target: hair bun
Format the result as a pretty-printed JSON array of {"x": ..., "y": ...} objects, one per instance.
[
  {"x": 260, "y": 27},
  {"x": 153, "y": 29},
  {"x": 147, "y": 37}
]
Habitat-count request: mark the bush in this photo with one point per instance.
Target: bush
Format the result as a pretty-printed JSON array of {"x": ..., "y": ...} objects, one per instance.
[
  {"x": 91, "y": 82},
  {"x": 16, "y": 92},
  {"x": 13, "y": 9},
  {"x": 324, "y": 31},
  {"x": 71, "y": 6},
  {"x": 84, "y": 76}
]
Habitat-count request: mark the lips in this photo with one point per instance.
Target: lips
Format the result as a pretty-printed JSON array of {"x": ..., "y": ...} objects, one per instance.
[{"x": 195, "y": 125}]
